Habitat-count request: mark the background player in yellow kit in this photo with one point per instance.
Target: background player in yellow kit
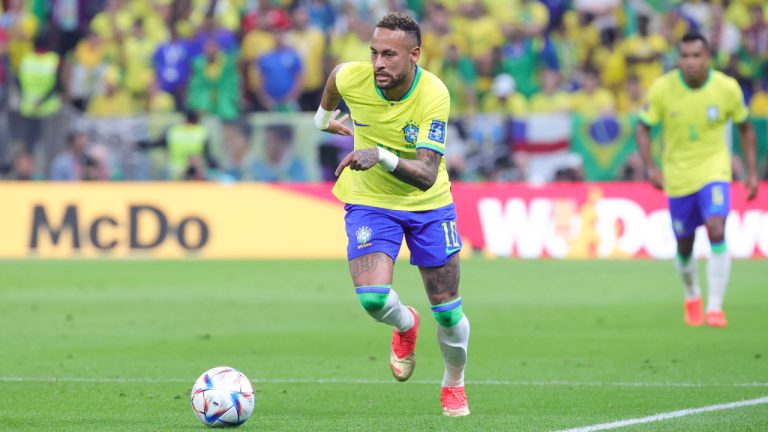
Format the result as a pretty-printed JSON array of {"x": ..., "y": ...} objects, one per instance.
[
  {"x": 396, "y": 184},
  {"x": 693, "y": 104}
]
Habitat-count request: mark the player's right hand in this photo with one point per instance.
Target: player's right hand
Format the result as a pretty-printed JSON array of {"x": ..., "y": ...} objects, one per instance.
[
  {"x": 656, "y": 178},
  {"x": 751, "y": 186},
  {"x": 336, "y": 126}
]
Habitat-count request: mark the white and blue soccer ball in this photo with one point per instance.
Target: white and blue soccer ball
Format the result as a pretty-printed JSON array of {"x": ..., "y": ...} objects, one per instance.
[{"x": 223, "y": 397}]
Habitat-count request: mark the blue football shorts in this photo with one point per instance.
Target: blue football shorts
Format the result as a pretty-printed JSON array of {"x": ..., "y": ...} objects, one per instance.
[
  {"x": 690, "y": 211},
  {"x": 431, "y": 235}
]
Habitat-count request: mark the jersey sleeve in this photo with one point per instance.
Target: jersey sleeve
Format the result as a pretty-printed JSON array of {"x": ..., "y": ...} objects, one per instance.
[
  {"x": 434, "y": 122},
  {"x": 652, "y": 111},
  {"x": 739, "y": 111},
  {"x": 341, "y": 77}
]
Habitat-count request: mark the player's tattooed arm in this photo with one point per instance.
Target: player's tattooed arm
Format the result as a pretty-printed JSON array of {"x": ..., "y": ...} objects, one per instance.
[
  {"x": 421, "y": 172},
  {"x": 359, "y": 160}
]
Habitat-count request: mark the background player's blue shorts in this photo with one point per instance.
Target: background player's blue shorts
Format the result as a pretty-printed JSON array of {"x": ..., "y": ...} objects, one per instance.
[
  {"x": 690, "y": 211},
  {"x": 431, "y": 235}
]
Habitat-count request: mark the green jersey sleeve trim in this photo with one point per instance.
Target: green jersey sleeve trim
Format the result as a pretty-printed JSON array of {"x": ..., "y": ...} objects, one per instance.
[{"x": 432, "y": 147}]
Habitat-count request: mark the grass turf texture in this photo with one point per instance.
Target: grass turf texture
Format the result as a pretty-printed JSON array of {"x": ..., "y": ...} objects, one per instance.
[{"x": 132, "y": 336}]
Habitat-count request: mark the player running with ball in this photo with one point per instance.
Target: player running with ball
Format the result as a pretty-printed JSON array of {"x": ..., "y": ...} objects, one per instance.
[
  {"x": 395, "y": 184},
  {"x": 693, "y": 104}
]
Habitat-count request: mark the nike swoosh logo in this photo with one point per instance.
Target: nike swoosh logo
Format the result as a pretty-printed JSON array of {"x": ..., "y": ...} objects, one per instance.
[
  {"x": 449, "y": 251},
  {"x": 359, "y": 124}
]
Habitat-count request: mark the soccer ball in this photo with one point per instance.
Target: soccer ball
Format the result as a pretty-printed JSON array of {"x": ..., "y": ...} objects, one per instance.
[{"x": 223, "y": 397}]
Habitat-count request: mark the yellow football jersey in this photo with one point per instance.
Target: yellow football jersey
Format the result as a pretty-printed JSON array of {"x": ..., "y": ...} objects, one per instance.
[
  {"x": 694, "y": 126},
  {"x": 418, "y": 120}
]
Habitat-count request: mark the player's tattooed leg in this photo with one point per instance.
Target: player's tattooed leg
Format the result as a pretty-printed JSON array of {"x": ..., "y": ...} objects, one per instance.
[
  {"x": 370, "y": 269},
  {"x": 442, "y": 283}
]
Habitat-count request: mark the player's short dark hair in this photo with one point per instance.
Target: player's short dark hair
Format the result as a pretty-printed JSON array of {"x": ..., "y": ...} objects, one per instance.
[
  {"x": 399, "y": 21},
  {"x": 693, "y": 37}
]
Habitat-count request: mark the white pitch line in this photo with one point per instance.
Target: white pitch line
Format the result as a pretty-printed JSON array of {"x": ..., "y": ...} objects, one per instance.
[
  {"x": 373, "y": 381},
  {"x": 668, "y": 415}
]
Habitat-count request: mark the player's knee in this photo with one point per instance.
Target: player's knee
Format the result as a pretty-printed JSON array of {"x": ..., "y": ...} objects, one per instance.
[
  {"x": 716, "y": 232},
  {"x": 373, "y": 298},
  {"x": 448, "y": 314}
]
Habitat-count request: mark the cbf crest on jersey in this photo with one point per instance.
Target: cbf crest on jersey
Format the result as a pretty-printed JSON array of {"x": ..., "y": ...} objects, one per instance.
[
  {"x": 712, "y": 113},
  {"x": 363, "y": 235},
  {"x": 410, "y": 132},
  {"x": 437, "y": 131}
]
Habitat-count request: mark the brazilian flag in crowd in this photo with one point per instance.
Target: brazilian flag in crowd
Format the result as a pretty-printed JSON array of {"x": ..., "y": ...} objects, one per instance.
[{"x": 604, "y": 142}]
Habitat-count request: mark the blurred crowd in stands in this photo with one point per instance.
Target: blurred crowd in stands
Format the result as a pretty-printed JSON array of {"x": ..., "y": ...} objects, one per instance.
[{"x": 505, "y": 62}]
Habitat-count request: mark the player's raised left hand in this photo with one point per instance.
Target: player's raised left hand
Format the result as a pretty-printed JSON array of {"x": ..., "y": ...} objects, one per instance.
[
  {"x": 751, "y": 186},
  {"x": 359, "y": 160},
  {"x": 336, "y": 126}
]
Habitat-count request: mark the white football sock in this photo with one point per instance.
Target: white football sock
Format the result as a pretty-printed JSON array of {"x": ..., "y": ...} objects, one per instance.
[
  {"x": 394, "y": 313},
  {"x": 690, "y": 276},
  {"x": 453, "y": 343},
  {"x": 718, "y": 272}
]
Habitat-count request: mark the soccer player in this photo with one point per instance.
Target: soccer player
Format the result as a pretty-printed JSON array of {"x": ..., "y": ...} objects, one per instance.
[
  {"x": 395, "y": 184},
  {"x": 693, "y": 104}
]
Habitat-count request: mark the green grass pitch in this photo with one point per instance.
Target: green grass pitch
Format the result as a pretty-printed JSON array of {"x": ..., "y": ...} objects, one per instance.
[{"x": 116, "y": 346}]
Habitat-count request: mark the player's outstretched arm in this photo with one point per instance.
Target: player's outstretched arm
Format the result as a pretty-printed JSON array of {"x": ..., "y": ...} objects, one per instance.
[
  {"x": 643, "y": 136},
  {"x": 326, "y": 116},
  {"x": 748, "y": 148},
  {"x": 421, "y": 172}
]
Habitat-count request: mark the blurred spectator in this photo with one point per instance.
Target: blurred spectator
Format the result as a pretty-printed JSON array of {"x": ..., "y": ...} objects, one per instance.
[
  {"x": 159, "y": 101},
  {"x": 69, "y": 165},
  {"x": 758, "y": 106},
  {"x": 156, "y": 16},
  {"x": 6, "y": 74},
  {"x": 279, "y": 163},
  {"x": 115, "y": 99},
  {"x": 112, "y": 24},
  {"x": 137, "y": 51},
  {"x": 504, "y": 98},
  {"x": 210, "y": 31},
  {"x": 644, "y": 51},
  {"x": 87, "y": 67},
  {"x": 321, "y": 14},
  {"x": 23, "y": 167},
  {"x": 172, "y": 66},
  {"x": 281, "y": 75},
  {"x": 258, "y": 41},
  {"x": 40, "y": 85},
  {"x": 437, "y": 36},
  {"x": 631, "y": 99},
  {"x": 608, "y": 58},
  {"x": 592, "y": 99},
  {"x": 189, "y": 149},
  {"x": 21, "y": 27},
  {"x": 309, "y": 42},
  {"x": 530, "y": 18},
  {"x": 69, "y": 22},
  {"x": 214, "y": 86},
  {"x": 350, "y": 40},
  {"x": 523, "y": 57},
  {"x": 551, "y": 99},
  {"x": 458, "y": 74},
  {"x": 484, "y": 38}
]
